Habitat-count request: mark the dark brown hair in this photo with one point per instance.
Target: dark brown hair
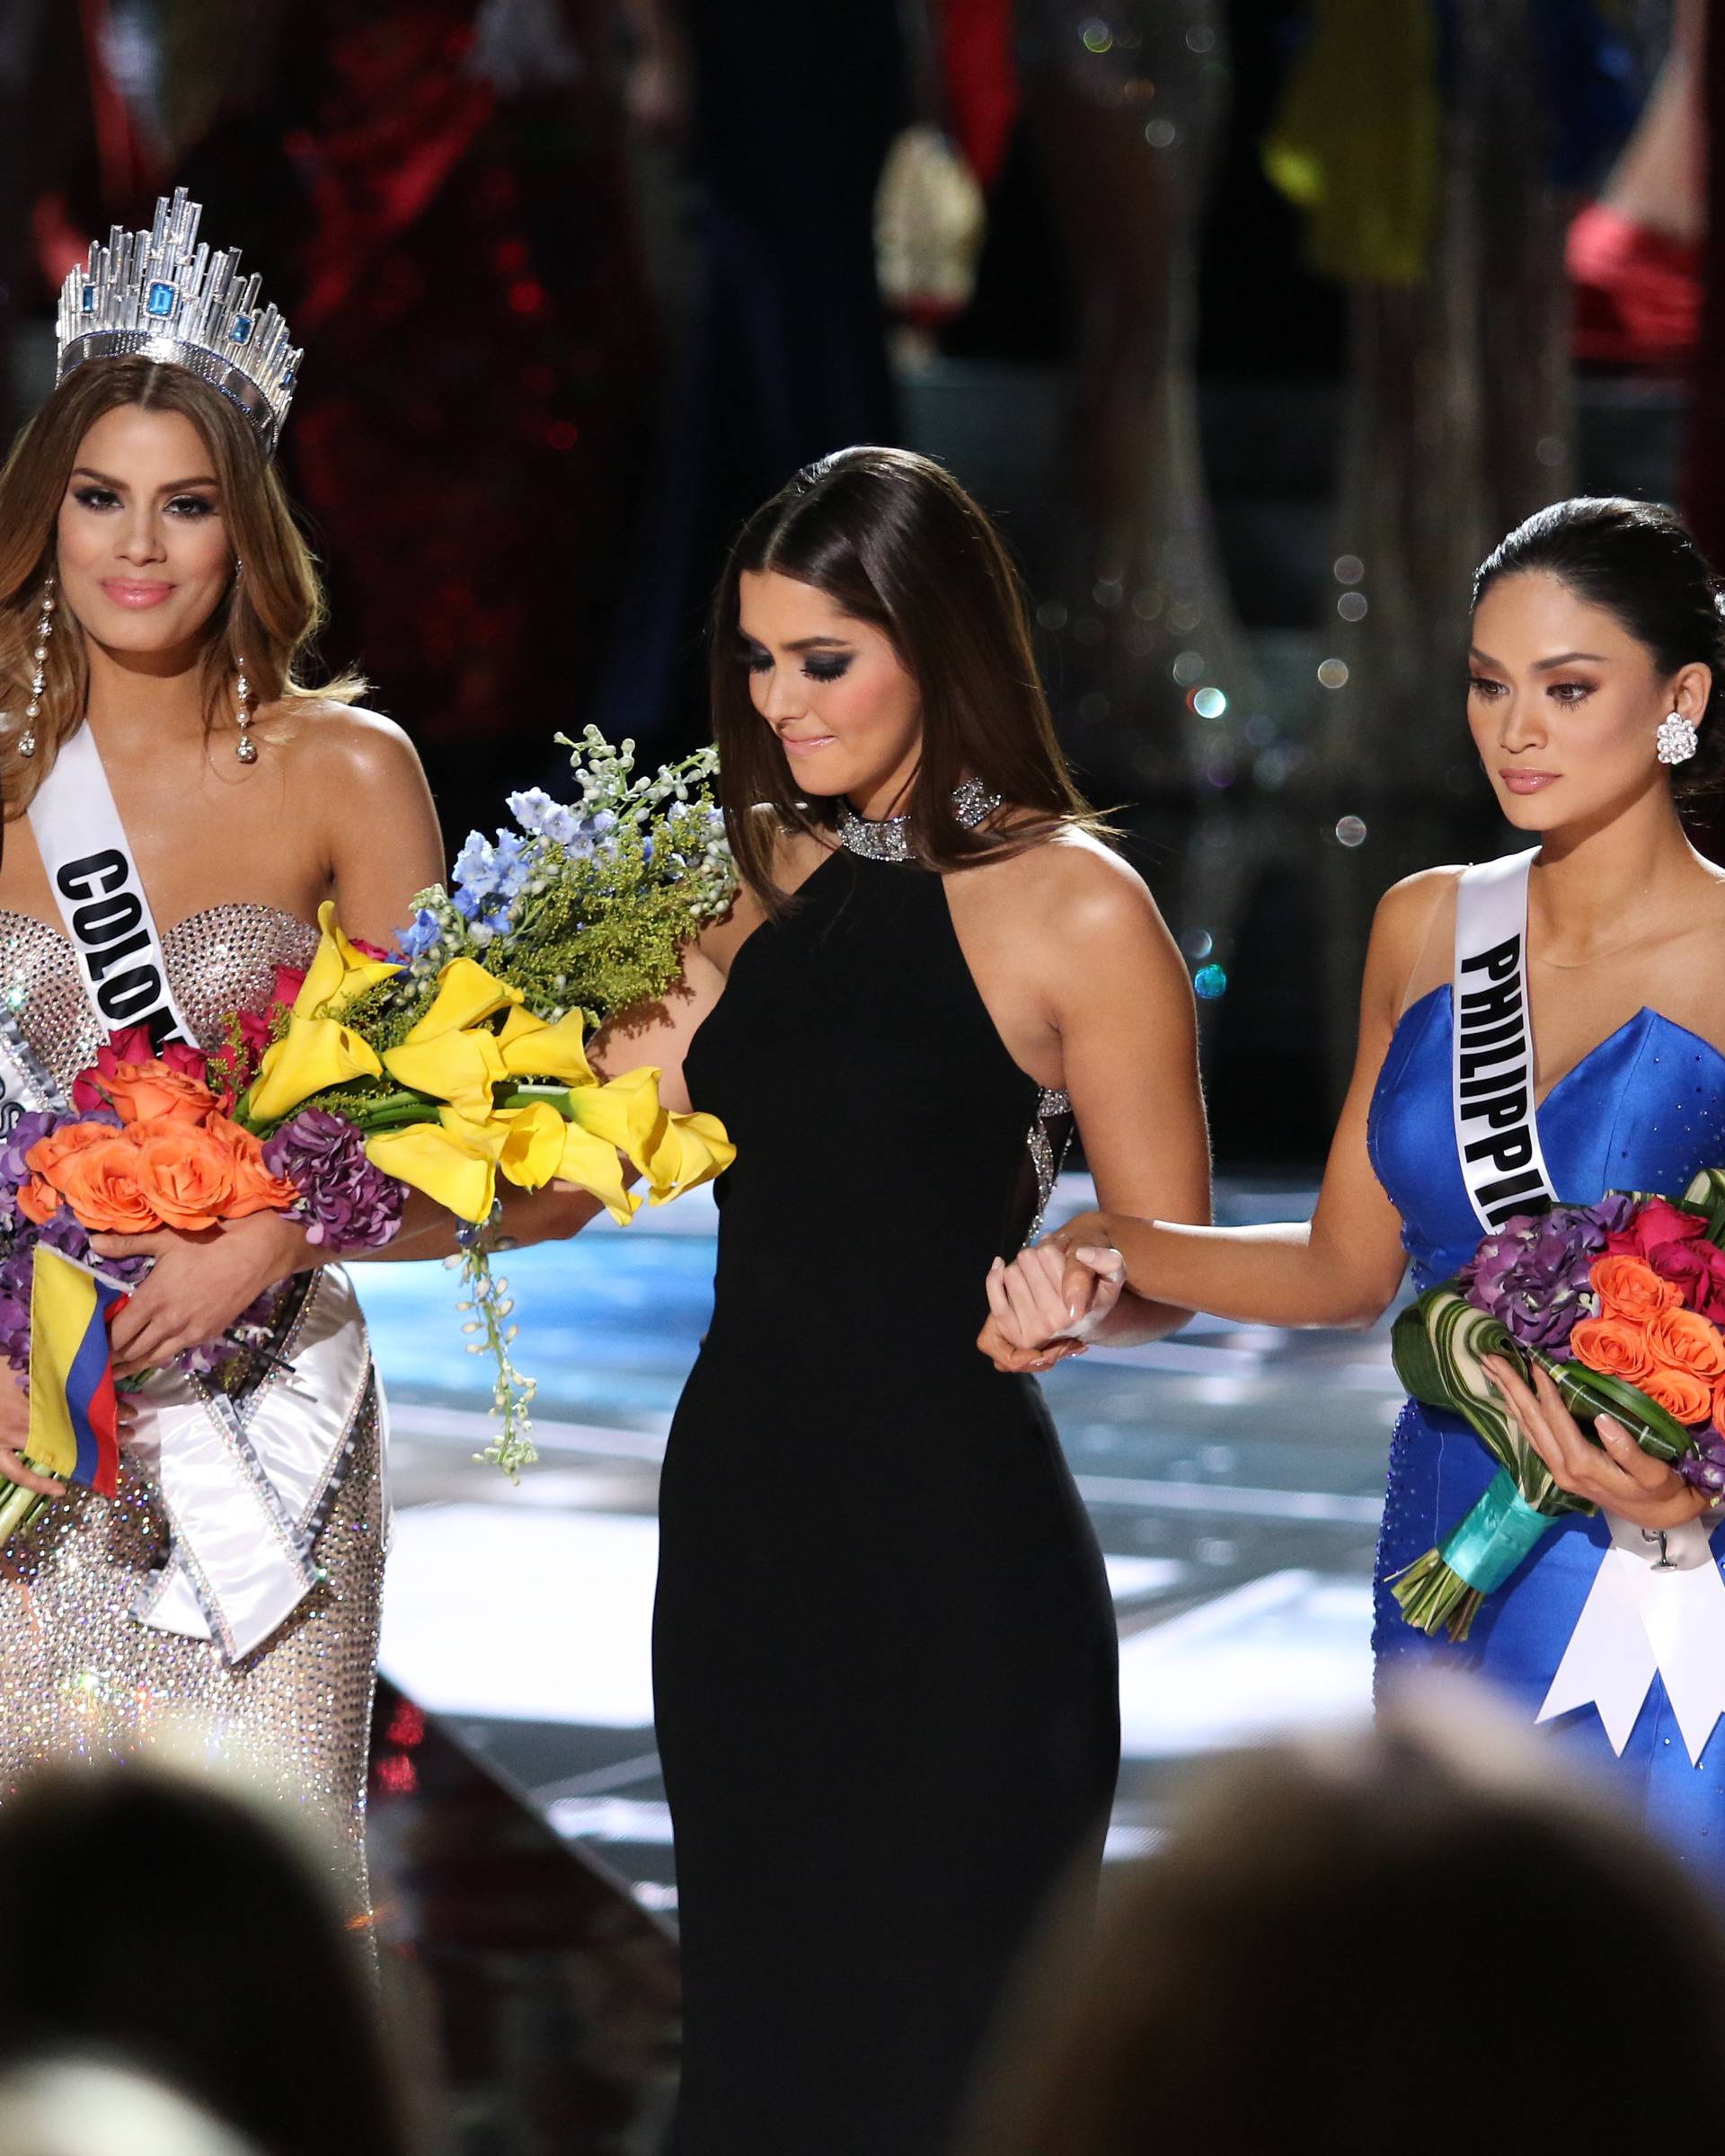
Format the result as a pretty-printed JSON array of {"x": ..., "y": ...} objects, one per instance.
[
  {"x": 1344, "y": 1948},
  {"x": 893, "y": 539},
  {"x": 267, "y": 617},
  {"x": 1639, "y": 561}
]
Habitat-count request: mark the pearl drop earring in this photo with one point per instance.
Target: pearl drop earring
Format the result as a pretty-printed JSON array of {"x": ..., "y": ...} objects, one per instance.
[
  {"x": 38, "y": 660},
  {"x": 1676, "y": 739}
]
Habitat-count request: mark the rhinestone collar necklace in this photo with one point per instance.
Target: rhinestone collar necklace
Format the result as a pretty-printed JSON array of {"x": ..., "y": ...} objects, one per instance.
[{"x": 890, "y": 840}]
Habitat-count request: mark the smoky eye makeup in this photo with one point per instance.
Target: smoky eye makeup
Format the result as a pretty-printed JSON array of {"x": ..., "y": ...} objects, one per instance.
[{"x": 828, "y": 666}]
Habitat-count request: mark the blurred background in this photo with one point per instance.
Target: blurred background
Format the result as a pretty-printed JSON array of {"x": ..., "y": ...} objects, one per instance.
[{"x": 1256, "y": 325}]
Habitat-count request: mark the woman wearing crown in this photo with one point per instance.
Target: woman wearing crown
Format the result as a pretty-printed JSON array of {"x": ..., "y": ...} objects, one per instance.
[{"x": 179, "y": 800}]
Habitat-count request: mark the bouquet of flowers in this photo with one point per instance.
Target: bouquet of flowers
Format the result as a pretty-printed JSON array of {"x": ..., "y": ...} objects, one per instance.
[
  {"x": 373, "y": 1072},
  {"x": 1622, "y": 1304}
]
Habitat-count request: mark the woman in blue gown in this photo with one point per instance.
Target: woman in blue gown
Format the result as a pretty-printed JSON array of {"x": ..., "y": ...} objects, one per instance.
[{"x": 1597, "y": 635}]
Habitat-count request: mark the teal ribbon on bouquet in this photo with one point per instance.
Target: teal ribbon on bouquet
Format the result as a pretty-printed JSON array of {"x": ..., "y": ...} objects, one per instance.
[{"x": 1496, "y": 1535}]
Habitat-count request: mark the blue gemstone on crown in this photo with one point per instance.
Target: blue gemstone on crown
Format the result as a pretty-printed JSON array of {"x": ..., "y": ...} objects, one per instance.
[
  {"x": 287, "y": 378},
  {"x": 160, "y": 299},
  {"x": 89, "y": 300},
  {"x": 242, "y": 327}
]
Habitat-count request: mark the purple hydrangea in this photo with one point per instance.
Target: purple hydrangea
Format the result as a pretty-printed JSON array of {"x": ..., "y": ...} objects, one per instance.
[
  {"x": 1613, "y": 1213},
  {"x": 343, "y": 1200},
  {"x": 1704, "y": 1468},
  {"x": 1532, "y": 1274}
]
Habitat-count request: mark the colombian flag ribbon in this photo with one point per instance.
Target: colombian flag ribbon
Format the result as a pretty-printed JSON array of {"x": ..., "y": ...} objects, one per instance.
[{"x": 73, "y": 1431}]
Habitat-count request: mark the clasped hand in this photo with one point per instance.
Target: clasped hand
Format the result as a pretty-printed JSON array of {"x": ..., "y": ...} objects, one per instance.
[
  {"x": 1049, "y": 1302},
  {"x": 1615, "y": 1473},
  {"x": 198, "y": 1285}
]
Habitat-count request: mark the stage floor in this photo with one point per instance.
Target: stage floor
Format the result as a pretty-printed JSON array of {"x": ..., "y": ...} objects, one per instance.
[{"x": 1234, "y": 1475}]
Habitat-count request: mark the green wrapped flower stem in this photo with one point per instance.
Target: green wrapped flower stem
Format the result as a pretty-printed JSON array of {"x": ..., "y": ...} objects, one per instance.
[
  {"x": 1447, "y": 1585},
  {"x": 1439, "y": 1345}
]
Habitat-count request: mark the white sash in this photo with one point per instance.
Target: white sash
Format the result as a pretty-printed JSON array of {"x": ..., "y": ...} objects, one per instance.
[
  {"x": 1492, "y": 1085},
  {"x": 1656, "y": 1608},
  {"x": 101, "y": 896},
  {"x": 246, "y": 1485},
  {"x": 25, "y": 1080}
]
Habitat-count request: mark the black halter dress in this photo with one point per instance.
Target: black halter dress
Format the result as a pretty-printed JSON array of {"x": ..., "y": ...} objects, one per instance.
[{"x": 884, "y": 1650}]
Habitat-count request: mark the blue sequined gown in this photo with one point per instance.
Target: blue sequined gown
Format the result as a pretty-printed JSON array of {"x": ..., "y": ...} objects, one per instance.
[{"x": 1643, "y": 1110}]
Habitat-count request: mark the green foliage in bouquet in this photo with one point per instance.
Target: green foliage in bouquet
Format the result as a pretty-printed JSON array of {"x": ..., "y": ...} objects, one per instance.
[
  {"x": 1439, "y": 1343},
  {"x": 586, "y": 905}
]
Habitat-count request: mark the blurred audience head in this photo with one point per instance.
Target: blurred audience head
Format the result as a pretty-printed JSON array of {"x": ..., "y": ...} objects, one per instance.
[
  {"x": 1416, "y": 1940},
  {"x": 887, "y": 539},
  {"x": 170, "y": 1922},
  {"x": 78, "y": 2106}
]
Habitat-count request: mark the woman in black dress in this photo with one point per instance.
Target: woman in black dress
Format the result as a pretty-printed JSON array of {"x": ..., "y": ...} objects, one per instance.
[{"x": 884, "y": 1647}]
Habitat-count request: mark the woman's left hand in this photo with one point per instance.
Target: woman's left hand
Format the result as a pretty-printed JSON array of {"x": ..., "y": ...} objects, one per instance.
[
  {"x": 1043, "y": 1305},
  {"x": 1615, "y": 1473},
  {"x": 198, "y": 1284}
]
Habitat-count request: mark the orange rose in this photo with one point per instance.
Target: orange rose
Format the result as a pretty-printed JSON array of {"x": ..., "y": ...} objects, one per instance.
[
  {"x": 1612, "y": 1346},
  {"x": 185, "y": 1171},
  {"x": 1719, "y": 1406},
  {"x": 1629, "y": 1287},
  {"x": 147, "y": 1092},
  {"x": 1681, "y": 1340},
  {"x": 100, "y": 1183},
  {"x": 49, "y": 1159},
  {"x": 255, "y": 1190},
  {"x": 1680, "y": 1393},
  {"x": 39, "y": 1200}
]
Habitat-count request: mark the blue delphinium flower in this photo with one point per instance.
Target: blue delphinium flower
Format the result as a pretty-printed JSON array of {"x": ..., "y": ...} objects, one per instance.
[
  {"x": 424, "y": 935},
  {"x": 512, "y": 864},
  {"x": 475, "y": 867}
]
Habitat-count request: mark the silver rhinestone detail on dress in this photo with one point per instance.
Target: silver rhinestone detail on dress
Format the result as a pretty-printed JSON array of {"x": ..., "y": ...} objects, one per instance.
[
  {"x": 220, "y": 959},
  {"x": 83, "y": 1677},
  {"x": 890, "y": 840},
  {"x": 1050, "y": 1107}
]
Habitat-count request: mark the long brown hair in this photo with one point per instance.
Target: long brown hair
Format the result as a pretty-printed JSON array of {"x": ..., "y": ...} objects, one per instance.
[
  {"x": 894, "y": 540},
  {"x": 268, "y": 616}
]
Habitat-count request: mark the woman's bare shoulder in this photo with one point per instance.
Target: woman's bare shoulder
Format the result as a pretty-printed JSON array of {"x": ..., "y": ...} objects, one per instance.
[
  {"x": 1410, "y": 911},
  {"x": 797, "y": 854},
  {"x": 1072, "y": 883},
  {"x": 325, "y": 734}
]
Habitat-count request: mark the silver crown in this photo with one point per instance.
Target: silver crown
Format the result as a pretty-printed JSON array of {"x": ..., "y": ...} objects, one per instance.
[{"x": 157, "y": 294}]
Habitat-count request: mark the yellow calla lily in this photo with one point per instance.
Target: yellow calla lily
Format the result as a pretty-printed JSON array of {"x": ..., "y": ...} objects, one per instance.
[
  {"x": 313, "y": 1052},
  {"x": 532, "y": 1049},
  {"x": 594, "y": 1165},
  {"x": 691, "y": 1150},
  {"x": 534, "y": 1147},
  {"x": 624, "y": 1111},
  {"x": 466, "y": 993},
  {"x": 460, "y": 1067},
  {"x": 337, "y": 973},
  {"x": 453, "y": 1160}
]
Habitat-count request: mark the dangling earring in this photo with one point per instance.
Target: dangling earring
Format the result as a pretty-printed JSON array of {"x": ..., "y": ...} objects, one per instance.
[
  {"x": 38, "y": 658},
  {"x": 1676, "y": 739},
  {"x": 245, "y": 748}
]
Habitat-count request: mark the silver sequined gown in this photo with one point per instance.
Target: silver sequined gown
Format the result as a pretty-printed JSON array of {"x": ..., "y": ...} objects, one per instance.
[{"x": 79, "y": 1675}]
